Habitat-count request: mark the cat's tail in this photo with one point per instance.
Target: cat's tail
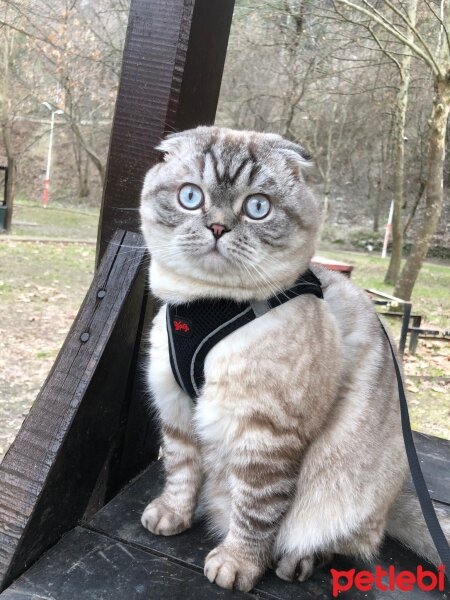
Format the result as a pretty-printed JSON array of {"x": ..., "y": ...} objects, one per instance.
[{"x": 407, "y": 525}]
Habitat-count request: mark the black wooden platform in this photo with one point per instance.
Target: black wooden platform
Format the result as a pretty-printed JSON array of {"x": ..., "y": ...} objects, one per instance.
[{"x": 113, "y": 557}]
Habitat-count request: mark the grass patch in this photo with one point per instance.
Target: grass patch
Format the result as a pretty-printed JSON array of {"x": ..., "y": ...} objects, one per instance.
[
  {"x": 430, "y": 297},
  {"x": 30, "y": 219},
  {"x": 41, "y": 288},
  {"x": 60, "y": 268}
]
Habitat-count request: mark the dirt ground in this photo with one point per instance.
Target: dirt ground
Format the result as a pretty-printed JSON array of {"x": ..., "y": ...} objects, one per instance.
[{"x": 41, "y": 289}]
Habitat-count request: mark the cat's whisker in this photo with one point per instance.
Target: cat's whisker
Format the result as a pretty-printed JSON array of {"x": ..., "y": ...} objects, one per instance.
[
  {"x": 250, "y": 256},
  {"x": 279, "y": 288},
  {"x": 259, "y": 269},
  {"x": 265, "y": 279},
  {"x": 124, "y": 208},
  {"x": 249, "y": 273}
]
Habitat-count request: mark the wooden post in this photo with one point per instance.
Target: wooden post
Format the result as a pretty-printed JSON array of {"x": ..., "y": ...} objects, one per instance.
[
  {"x": 49, "y": 473},
  {"x": 172, "y": 68},
  {"x": 171, "y": 73}
]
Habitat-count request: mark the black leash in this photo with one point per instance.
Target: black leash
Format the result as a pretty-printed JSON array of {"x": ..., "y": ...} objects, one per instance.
[{"x": 426, "y": 504}]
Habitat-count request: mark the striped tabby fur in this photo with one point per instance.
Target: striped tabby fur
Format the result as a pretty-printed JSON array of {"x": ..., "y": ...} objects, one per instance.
[{"x": 294, "y": 448}]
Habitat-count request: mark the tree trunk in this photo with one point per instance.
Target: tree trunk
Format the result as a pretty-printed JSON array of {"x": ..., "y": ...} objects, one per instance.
[
  {"x": 89, "y": 151},
  {"x": 434, "y": 192},
  {"x": 82, "y": 166},
  {"x": 412, "y": 213},
  {"x": 326, "y": 203},
  {"x": 379, "y": 188},
  {"x": 401, "y": 105},
  {"x": 377, "y": 206},
  {"x": 84, "y": 181},
  {"x": 10, "y": 185},
  {"x": 399, "y": 173}
]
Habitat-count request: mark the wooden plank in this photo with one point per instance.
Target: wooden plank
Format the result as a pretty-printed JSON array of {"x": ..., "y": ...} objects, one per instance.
[
  {"x": 86, "y": 565},
  {"x": 50, "y": 471},
  {"x": 434, "y": 457},
  {"x": 120, "y": 520},
  {"x": 139, "y": 439},
  {"x": 141, "y": 433},
  {"x": 172, "y": 68}
]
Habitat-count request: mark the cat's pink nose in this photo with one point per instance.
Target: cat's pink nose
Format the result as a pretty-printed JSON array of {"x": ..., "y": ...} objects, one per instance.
[{"x": 218, "y": 230}]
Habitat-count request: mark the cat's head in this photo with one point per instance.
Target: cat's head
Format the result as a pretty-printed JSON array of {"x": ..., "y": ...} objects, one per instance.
[{"x": 227, "y": 214}]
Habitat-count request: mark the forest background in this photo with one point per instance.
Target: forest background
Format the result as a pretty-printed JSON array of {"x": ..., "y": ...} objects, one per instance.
[{"x": 363, "y": 85}]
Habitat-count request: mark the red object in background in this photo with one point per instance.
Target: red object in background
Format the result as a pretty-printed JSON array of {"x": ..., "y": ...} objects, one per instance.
[
  {"x": 333, "y": 265},
  {"x": 45, "y": 193}
]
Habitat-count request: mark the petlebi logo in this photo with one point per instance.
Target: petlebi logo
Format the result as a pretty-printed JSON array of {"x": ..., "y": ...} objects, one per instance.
[{"x": 387, "y": 580}]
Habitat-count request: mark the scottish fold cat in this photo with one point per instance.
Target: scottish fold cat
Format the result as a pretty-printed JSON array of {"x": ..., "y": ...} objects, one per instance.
[{"x": 294, "y": 445}]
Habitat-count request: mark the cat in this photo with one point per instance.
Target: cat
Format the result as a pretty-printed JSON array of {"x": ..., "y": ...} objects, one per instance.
[{"x": 294, "y": 446}]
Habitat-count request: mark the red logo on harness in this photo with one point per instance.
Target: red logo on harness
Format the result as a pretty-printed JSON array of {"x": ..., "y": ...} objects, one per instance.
[{"x": 180, "y": 326}]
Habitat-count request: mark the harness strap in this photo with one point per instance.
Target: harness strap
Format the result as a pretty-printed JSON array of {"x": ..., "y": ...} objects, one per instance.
[
  {"x": 196, "y": 327},
  {"x": 426, "y": 504}
]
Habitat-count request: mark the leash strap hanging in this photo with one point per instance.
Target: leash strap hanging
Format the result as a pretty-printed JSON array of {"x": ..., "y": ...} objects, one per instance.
[{"x": 426, "y": 504}]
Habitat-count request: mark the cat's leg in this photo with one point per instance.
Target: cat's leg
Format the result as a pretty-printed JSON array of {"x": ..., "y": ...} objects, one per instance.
[
  {"x": 262, "y": 473},
  {"x": 335, "y": 518},
  {"x": 366, "y": 540},
  {"x": 363, "y": 543},
  {"x": 172, "y": 512}
]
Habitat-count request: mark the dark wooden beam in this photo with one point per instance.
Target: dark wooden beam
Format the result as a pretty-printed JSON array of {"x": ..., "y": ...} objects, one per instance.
[
  {"x": 140, "y": 430},
  {"x": 48, "y": 476},
  {"x": 172, "y": 68}
]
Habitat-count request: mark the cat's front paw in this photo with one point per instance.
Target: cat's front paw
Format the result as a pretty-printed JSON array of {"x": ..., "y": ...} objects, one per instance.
[
  {"x": 161, "y": 520},
  {"x": 228, "y": 570},
  {"x": 291, "y": 567}
]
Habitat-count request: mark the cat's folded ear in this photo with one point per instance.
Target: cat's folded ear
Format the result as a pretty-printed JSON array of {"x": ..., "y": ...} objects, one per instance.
[
  {"x": 172, "y": 142},
  {"x": 295, "y": 152},
  {"x": 182, "y": 141}
]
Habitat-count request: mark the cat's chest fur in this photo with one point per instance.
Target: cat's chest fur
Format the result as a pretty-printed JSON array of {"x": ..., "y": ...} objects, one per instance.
[{"x": 289, "y": 353}]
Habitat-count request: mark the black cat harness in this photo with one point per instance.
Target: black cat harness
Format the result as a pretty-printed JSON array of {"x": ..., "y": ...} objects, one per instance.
[{"x": 196, "y": 327}]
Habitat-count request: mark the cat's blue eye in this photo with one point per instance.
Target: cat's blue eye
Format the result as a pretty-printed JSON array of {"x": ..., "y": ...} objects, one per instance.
[
  {"x": 190, "y": 196},
  {"x": 256, "y": 206}
]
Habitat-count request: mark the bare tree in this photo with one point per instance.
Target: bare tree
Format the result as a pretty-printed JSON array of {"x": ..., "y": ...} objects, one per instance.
[
  {"x": 77, "y": 55},
  {"x": 401, "y": 104},
  {"x": 439, "y": 63},
  {"x": 11, "y": 97}
]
